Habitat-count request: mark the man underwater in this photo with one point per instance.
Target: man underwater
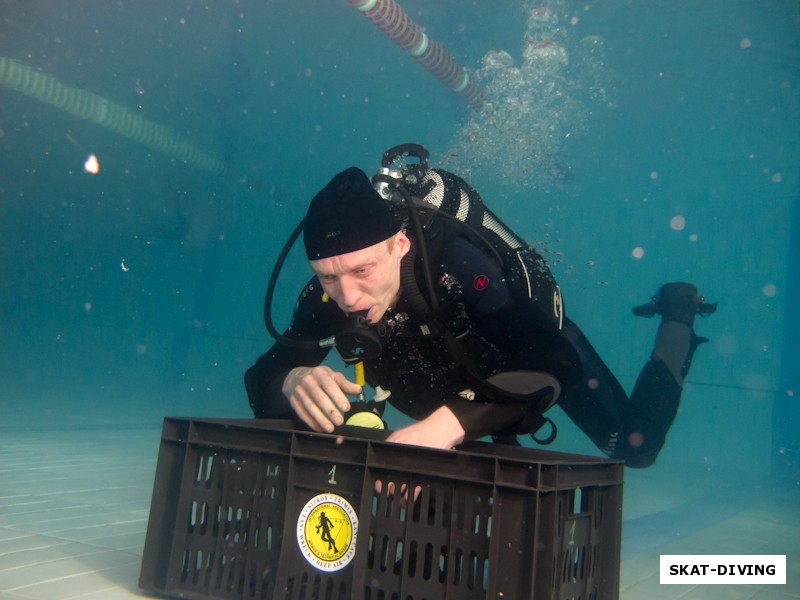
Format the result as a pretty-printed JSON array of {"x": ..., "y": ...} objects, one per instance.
[{"x": 481, "y": 347}]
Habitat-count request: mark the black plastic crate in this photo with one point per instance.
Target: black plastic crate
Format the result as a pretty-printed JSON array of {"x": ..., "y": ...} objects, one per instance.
[{"x": 255, "y": 509}]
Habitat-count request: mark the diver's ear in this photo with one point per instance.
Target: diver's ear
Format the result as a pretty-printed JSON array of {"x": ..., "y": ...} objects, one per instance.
[{"x": 403, "y": 243}]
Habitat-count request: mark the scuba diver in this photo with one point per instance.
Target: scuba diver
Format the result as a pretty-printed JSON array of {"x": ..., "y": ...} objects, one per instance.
[{"x": 457, "y": 322}]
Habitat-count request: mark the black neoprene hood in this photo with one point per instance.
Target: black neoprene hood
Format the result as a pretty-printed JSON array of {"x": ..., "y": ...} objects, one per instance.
[{"x": 345, "y": 216}]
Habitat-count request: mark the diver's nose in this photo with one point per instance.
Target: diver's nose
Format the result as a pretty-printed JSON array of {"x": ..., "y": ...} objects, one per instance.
[{"x": 350, "y": 294}]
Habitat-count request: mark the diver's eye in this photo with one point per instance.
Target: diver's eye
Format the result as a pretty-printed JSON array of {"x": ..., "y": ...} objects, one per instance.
[{"x": 363, "y": 271}]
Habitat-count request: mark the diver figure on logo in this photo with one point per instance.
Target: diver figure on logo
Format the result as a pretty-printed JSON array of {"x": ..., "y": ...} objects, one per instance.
[
  {"x": 325, "y": 524},
  {"x": 457, "y": 321}
]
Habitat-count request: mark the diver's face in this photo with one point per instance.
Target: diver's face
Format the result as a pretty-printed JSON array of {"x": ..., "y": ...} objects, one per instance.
[{"x": 367, "y": 279}]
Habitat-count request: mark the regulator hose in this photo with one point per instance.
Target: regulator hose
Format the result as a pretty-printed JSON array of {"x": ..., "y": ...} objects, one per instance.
[{"x": 273, "y": 281}]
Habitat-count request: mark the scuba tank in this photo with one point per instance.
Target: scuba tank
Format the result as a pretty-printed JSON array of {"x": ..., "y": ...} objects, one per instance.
[
  {"x": 438, "y": 194},
  {"x": 436, "y": 201}
]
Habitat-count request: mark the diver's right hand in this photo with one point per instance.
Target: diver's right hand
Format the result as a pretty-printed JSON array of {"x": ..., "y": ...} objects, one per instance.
[{"x": 317, "y": 395}]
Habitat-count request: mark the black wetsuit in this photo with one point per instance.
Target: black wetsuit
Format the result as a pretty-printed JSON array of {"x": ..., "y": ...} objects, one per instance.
[{"x": 502, "y": 329}]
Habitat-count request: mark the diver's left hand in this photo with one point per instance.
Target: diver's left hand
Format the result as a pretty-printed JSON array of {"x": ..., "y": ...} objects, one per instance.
[{"x": 440, "y": 429}]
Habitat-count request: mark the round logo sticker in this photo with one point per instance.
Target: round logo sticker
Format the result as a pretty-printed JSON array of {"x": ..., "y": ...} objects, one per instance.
[
  {"x": 326, "y": 532},
  {"x": 481, "y": 282}
]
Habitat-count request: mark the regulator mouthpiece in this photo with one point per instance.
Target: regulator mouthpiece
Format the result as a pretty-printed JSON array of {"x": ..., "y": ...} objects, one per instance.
[{"x": 358, "y": 340}]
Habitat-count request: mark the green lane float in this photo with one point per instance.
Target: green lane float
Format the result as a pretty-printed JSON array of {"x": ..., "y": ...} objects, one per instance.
[{"x": 85, "y": 105}]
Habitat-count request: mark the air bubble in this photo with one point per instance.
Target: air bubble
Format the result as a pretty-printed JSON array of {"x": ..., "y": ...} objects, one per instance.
[
  {"x": 532, "y": 107},
  {"x": 678, "y": 223}
]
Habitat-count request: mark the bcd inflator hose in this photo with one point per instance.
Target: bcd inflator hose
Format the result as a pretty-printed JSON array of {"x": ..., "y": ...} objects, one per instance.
[{"x": 85, "y": 105}]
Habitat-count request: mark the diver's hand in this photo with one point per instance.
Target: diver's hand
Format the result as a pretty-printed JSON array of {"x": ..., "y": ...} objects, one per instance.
[
  {"x": 317, "y": 395},
  {"x": 440, "y": 429}
]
